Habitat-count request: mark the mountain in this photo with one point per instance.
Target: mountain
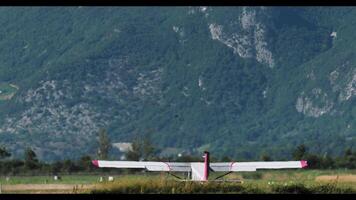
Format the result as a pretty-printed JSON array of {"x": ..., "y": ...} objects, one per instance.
[{"x": 238, "y": 81}]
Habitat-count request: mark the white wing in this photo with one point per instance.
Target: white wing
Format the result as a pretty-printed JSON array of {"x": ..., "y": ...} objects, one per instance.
[
  {"x": 186, "y": 167},
  {"x": 150, "y": 166},
  {"x": 253, "y": 166},
  {"x": 230, "y": 167}
]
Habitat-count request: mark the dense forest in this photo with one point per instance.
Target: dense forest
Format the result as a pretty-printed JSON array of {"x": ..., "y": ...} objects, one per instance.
[
  {"x": 31, "y": 165},
  {"x": 143, "y": 149}
]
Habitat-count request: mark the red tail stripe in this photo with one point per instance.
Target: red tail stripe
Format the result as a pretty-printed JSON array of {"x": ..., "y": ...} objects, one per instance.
[{"x": 95, "y": 163}]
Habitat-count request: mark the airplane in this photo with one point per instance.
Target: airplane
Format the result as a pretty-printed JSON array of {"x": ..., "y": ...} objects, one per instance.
[{"x": 200, "y": 170}]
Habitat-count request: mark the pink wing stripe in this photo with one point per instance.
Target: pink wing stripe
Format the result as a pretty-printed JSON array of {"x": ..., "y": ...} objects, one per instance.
[
  {"x": 232, "y": 163},
  {"x": 95, "y": 163},
  {"x": 304, "y": 163},
  {"x": 169, "y": 167}
]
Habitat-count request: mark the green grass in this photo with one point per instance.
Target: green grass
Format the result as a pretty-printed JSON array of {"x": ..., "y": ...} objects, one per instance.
[
  {"x": 281, "y": 181},
  {"x": 278, "y": 181},
  {"x": 174, "y": 187},
  {"x": 68, "y": 179},
  {"x": 78, "y": 179}
]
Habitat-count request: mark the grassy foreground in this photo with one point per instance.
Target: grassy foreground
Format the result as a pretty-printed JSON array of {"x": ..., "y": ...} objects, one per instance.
[
  {"x": 68, "y": 179},
  {"x": 261, "y": 182},
  {"x": 276, "y": 182},
  {"x": 152, "y": 186},
  {"x": 173, "y": 187}
]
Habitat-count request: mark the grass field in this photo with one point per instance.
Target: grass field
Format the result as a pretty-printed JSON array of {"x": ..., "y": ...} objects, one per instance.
[{"x": 279, "y": 181}]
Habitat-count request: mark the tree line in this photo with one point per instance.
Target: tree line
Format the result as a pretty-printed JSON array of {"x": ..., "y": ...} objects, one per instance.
[{"x": 143, "y": 149}]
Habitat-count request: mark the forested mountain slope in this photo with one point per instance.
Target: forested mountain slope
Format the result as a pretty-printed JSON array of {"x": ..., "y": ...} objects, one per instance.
[{"x": 238, "y": 81}]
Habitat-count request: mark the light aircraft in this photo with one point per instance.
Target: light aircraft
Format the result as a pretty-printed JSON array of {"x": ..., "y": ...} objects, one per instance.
[{"x": 200, "y": 170}]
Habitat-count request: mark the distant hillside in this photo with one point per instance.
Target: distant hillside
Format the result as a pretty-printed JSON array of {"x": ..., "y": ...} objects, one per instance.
[{"x": 238, "y": 81}]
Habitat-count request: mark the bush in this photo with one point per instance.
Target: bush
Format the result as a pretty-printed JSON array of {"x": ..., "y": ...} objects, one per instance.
[
  {"x": 318, "y": 189},
  {"x": 291, "y": 189},
  {"x": 331, "y": 188}
]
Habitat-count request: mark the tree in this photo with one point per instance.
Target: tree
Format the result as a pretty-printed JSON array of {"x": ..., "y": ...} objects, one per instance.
[
  {"x": 4, "y": 153},
  {"x": 266, "y": 157},
  {"x": 300, "y": 152},
  {"x": 314, "y": 161},
  {"x": 31, "y": 161},
  {"x": 226, "y": 159},
  {"x": 135, "y": 152},
  {"x": 85, "y": 163},
  {"x": 349, "y": 159},
  {"x": 148, "y": 149},
  {"x": 328, "y": 162},
  {"x": 56, "y": 167},
  {"x": 141, "y": 149},
  {"x": 189, "y": 158},
  {"x": 104, "y": 145},
  {"x": 348, "y": 152},
  {"x": 68, "y": 166}
]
